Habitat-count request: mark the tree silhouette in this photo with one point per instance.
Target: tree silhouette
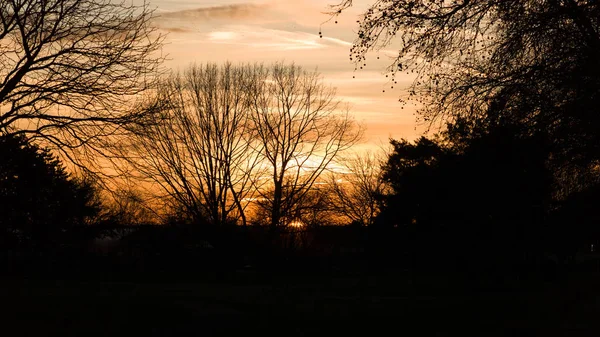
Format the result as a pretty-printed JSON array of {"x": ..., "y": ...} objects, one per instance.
[
  {"x": 71, "y": 69},
  {"x": 312, "y": 210},
  {"x": 479, "y": 196},
  {"x": 231, "y": 135},
  {"x": 412, "y": 171},
  {"x": 355, "y": 192},
  {"x": 300, "y": 132},
  {"x": 532, "y": 61},
  {"x": 126, "y": 207},
  {"x": 38, "y": 198},
  {"x": 201, "y": 154}
]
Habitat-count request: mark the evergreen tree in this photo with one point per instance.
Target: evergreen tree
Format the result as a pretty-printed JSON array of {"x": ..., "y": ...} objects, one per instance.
[{"x": 39, "y": 199}]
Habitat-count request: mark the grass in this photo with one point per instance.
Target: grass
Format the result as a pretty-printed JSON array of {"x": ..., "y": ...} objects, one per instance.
[{"x": 294, "y": 305}]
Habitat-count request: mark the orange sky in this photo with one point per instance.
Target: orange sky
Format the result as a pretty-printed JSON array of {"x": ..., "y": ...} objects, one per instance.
[{"x": 287, "y": 30}]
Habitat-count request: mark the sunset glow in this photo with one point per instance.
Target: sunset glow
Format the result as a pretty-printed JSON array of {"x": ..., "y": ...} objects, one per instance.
[
  {"x": 288, "y": 30},
  {"x": 299, "y": 167},
  {"x": 296, "y": 224}
]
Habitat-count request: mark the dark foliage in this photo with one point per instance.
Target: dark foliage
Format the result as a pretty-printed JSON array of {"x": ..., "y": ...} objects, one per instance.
[
  {"x": 532, "y": 62},
  {"x": 514, "y": 176},
  {"x": 473, "y": 199},
  {"x": 38, "y": 198}
]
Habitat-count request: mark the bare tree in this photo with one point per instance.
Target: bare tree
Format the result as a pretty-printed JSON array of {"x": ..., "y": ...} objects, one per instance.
[
  {"x": 127, "y": 206},
  {"x": 355, "y": 192},
  {"x": 200, "y": 154},
  {"x": 312, "y": 210},
  {"x": 70, "y": 69},
  {"x": 300, "y": 131},
  {"x": 467, "y": 52}
]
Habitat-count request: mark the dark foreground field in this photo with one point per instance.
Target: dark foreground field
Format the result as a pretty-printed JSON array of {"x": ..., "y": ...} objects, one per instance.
[{"x": 296, "y": 304}]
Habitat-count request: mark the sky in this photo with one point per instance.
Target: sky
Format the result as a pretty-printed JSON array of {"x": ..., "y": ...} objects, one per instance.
[{"x": 288, "y": 30}]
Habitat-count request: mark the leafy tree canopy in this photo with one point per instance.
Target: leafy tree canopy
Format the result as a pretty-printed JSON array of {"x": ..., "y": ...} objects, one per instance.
[{"x": 467, "y": 175}]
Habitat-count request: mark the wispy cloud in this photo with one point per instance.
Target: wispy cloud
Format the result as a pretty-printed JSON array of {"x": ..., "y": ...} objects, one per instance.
[
  {"x": 271, "y": 38},
  {"x": 237, "y": 11},
  {"x": 176, "y": 29},
  {"x": 287, "y": 30}
]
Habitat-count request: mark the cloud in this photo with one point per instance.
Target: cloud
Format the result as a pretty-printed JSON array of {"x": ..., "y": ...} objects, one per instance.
[
  {"x": 271, "y": 38},
  {"x": 213, "y": 17},
  {"x": 176, "y": 29},
  {"x": 287, "y": 30},
  {"x": 227, "y": 12}
]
